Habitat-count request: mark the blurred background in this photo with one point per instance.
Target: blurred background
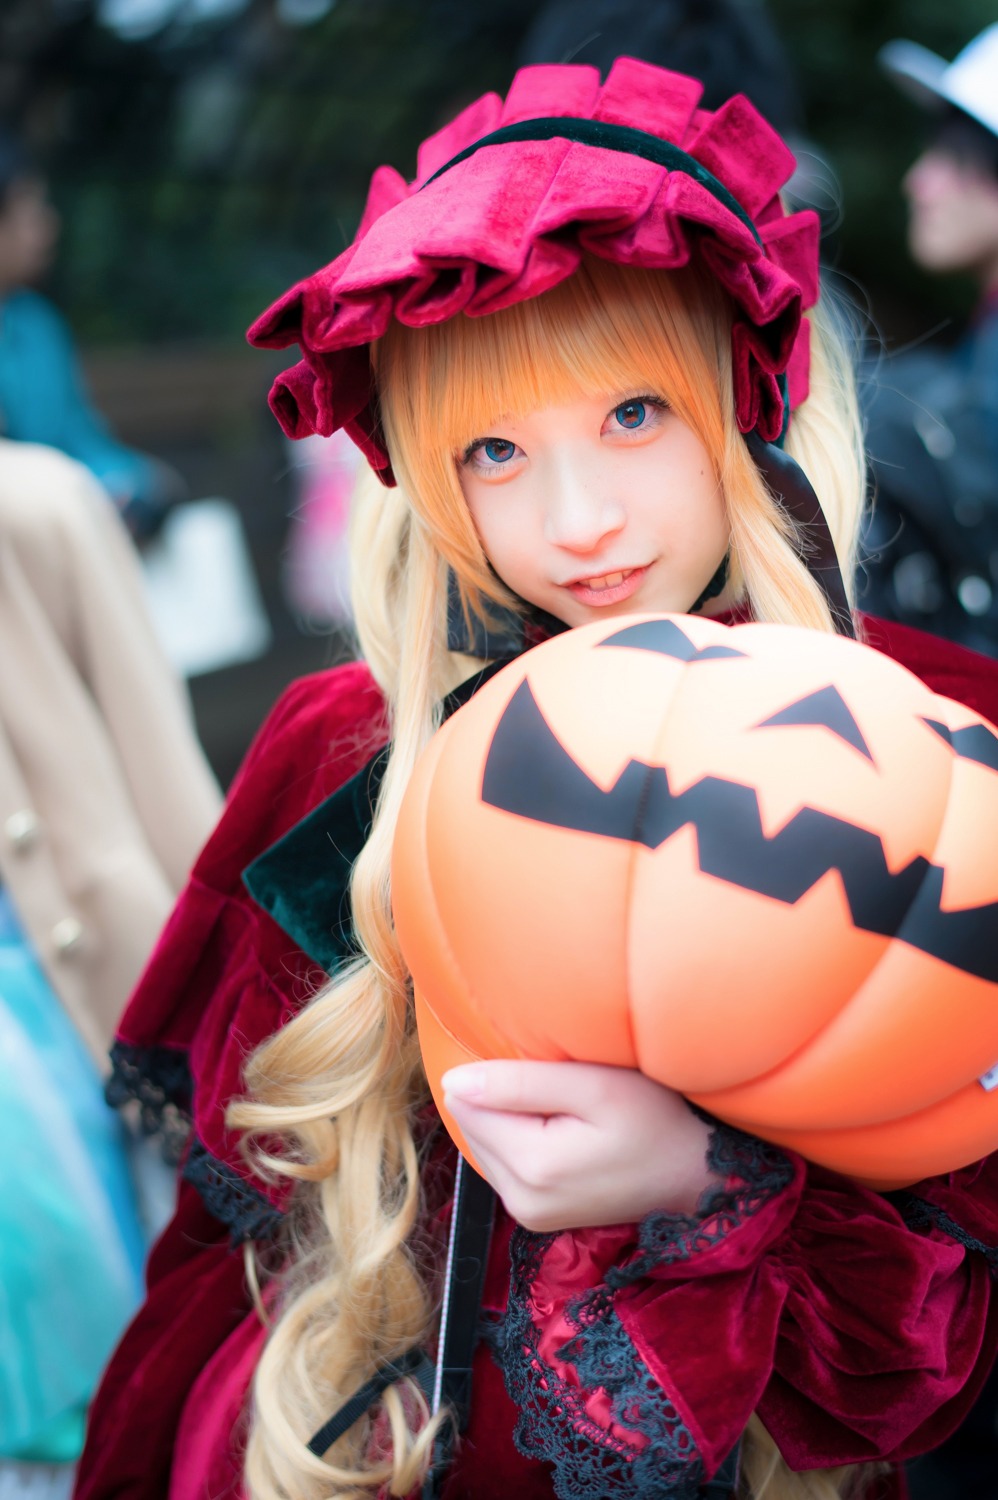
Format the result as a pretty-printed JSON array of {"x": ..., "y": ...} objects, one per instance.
[{"x": 203, "y": 154}]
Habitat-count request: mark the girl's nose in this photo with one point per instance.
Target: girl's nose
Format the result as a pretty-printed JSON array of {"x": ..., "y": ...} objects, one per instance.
[{"x": 581, "y": 510}]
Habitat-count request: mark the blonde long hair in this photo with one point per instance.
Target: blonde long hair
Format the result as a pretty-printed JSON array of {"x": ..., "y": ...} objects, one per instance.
[{"x": 339, "y": 1085}]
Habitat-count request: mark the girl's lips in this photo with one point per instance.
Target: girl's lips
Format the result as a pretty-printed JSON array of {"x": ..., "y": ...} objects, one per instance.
[{"x": 599, "y": 597}]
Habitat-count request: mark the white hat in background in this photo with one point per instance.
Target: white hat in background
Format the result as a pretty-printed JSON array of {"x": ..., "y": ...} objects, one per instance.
[{"x": 970, "y": 82}]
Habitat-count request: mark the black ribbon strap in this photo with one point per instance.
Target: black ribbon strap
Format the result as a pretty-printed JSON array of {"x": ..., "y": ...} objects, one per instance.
[
  {"x": 449, "y": 1381},
  {"x": 467, "y": 1259},
  {"x": 412, "y": 1362},
  {"x": 792, "y": 488}
]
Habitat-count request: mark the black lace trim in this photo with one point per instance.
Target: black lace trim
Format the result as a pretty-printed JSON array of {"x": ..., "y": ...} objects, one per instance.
[
  {"x": 760, "y": 1171},
  {"x": 246, "y": 1213},
  {"x": 158, "y": 1079},
  {"x": 492, "y": 1333},
  {"x": 917, "y": 1213},
  {"x": 588, "y": 1462}
]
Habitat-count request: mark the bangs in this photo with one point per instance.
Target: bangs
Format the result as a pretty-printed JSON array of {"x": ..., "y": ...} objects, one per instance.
[{"x": 605, "y": 329}]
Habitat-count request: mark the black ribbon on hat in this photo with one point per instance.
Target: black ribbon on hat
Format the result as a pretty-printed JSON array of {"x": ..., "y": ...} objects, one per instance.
[
  {"x": 608, "y": 137},
  {"x": 795, "y": 493}
]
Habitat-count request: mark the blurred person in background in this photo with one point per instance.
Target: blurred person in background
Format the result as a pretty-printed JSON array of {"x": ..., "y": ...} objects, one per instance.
[
  {"x": 932, "y": 536},
  {"x": 932, "y": 539},
  {"x": 42, "y": 394},
  {"x": 105, "y": 799}
]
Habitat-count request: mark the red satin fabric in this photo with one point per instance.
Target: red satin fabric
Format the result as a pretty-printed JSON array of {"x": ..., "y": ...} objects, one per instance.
[{"x": 853, "y": 1336}]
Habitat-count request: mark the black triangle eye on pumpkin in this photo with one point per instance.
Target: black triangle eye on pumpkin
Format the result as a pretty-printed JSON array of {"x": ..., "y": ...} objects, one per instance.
[
  {"x": 753, "y": 861},
  {"x": 665, "y": 636},
  {"x": 825, "y": 708}
]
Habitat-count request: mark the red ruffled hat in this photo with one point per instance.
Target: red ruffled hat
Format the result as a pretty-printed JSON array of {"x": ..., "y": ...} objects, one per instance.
[{"x": 509, "y": 196}]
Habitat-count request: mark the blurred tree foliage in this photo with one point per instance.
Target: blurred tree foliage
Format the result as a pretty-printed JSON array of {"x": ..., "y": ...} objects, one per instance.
[{"x": 202, "y": 168}]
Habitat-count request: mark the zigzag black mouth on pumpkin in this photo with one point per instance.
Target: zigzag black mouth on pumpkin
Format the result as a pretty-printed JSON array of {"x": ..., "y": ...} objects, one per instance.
[{"x": 529, "y": 773}]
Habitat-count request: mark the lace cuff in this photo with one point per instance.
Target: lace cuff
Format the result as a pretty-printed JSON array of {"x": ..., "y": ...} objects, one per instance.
[
  {"x": 247, "y": 1214},
  {"x": 753, "y": 1171},
  {"x": 595, "y": 1411},
  {"x": 158, "y": 1079},
  {"x": 918, "y": 1213}
]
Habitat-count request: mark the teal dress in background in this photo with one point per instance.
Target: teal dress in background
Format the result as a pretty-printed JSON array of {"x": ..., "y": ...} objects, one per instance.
[{"x": 71, "y": 1244}]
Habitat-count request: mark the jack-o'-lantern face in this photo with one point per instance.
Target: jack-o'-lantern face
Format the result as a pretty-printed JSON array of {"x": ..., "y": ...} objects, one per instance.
[{"x": 756, "y": 863}]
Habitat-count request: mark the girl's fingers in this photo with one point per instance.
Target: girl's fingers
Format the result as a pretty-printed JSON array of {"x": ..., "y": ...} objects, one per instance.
[
  {"x": 522, "y": 1087},
  {"x": 502, "y": 1134},
  {"x": 570, "y": 1144},
  {"x": 524, "y": 1158}
]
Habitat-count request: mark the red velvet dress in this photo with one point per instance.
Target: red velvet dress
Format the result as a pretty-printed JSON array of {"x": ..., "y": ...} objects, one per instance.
[{"x": 622, "y": 1361}]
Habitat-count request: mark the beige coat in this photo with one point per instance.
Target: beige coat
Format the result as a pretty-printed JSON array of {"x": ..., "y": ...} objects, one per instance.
[{"x": 105, "y": 795}]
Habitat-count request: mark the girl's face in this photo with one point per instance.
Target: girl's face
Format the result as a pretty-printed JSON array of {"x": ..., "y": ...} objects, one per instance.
[{"x": 605, "y": 505}]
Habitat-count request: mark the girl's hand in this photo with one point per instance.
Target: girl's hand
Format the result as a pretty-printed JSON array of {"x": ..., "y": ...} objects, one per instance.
[{"x": 570, "y": 1145}]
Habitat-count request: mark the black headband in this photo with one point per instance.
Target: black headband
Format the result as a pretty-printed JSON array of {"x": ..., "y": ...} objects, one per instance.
[{"x": 611, "y": 138}]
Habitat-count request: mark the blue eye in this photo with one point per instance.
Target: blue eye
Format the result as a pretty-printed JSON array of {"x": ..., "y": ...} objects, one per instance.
[
  {"x": 630, "y": 414},
  {"x": 498, "y": 450}
]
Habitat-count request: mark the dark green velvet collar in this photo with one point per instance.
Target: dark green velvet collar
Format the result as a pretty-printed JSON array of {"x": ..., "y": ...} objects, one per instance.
[{"x": 303, "y": 881}]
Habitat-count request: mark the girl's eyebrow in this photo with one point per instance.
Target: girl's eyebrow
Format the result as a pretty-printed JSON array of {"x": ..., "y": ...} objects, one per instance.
[
  {"x": 632, "y": 392},
  {"x": 505, "y": 418}
]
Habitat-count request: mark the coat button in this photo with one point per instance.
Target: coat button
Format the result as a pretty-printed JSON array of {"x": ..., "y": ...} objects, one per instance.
[
  {"x": 67, "y": 936},
  {"x": 21, "y": 829}
]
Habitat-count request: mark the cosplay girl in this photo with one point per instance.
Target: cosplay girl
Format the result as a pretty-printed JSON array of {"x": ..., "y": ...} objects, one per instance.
[{"x": 571, "y": 350}]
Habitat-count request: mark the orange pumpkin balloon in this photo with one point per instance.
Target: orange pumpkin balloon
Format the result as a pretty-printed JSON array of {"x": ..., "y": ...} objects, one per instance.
[{"x": 756, "y": 862}]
